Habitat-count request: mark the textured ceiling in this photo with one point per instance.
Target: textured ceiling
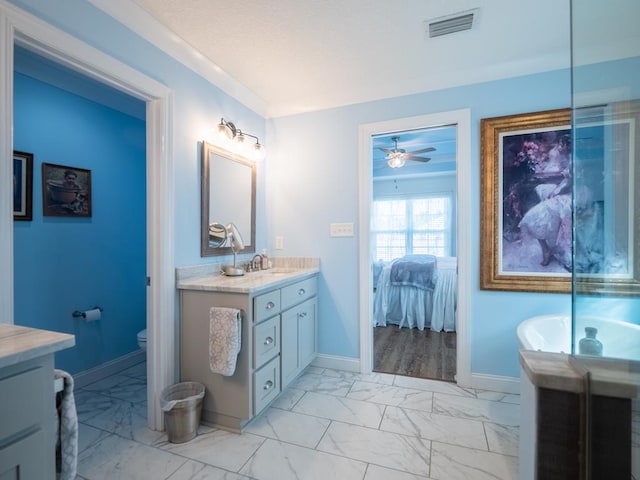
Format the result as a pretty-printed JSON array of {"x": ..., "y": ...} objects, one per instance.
[{"x": 307, "y": 55}]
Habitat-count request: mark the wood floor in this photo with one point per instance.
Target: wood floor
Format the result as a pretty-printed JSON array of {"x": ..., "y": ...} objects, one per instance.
[{"x": 415, "y": 353}]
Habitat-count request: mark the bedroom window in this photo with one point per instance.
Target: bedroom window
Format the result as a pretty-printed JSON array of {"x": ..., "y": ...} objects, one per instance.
[{"x": 411, "y": 226}]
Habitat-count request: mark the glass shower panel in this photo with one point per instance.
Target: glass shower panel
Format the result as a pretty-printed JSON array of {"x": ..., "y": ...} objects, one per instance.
[{"x": 606, "y": 229}]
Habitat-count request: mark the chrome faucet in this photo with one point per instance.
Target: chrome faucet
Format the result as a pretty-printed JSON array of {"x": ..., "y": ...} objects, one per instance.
[{"x": 256, "y": 262}]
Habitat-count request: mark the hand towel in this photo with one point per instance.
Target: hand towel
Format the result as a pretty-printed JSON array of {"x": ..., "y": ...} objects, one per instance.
[
  {"x": 67, "y": 435},
  {"x": 224, "y": 339}
]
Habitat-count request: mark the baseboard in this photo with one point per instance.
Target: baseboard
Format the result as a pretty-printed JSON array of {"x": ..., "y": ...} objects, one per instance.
[
  {"x": 109, "y": 368},
  {"x": 335, "y": 362},
  {"x": 494, "y": 383}
]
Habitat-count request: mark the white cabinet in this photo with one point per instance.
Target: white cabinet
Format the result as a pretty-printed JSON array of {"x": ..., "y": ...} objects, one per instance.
[{"x": 278, "y": 342}]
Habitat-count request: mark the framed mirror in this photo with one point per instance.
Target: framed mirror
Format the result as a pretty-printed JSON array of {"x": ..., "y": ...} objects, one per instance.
[{"x": 228, "y": 195}]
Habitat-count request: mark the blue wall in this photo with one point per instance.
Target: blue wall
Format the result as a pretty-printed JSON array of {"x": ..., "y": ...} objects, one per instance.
[
  {"x": 325, "y": 186},
  {"x": 64, "y": 264},
  {"x": 197, "y": 107}
]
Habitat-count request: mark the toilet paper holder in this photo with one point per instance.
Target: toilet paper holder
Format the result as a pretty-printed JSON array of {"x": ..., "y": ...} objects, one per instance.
[{"x": 80, "y": 314}]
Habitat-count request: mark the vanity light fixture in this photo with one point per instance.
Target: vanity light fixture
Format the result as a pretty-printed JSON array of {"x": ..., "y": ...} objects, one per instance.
[{"x": 228, "y": 131}]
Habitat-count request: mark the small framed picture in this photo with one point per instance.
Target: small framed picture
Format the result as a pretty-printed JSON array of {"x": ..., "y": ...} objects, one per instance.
[
  {"x": 66, "y": 191},
  {"x": 22, "y": 185}
]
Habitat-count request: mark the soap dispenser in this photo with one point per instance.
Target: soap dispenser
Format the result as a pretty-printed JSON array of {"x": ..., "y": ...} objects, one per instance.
[
  {"x": 590, "y": 345},
  {"x": 265, "y": 260}
]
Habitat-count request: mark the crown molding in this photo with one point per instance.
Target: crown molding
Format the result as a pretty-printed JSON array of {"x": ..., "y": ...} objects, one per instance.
[{"x": 142, "y": 23}]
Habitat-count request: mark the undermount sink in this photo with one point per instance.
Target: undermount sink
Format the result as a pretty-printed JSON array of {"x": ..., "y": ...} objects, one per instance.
[
  {"x": 275, "y": 271},
  {"x": 278, "y": 271}
]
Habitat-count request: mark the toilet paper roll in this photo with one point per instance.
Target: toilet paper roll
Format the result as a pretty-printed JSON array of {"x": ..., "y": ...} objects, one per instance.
[{"x": 92, "y": 315}]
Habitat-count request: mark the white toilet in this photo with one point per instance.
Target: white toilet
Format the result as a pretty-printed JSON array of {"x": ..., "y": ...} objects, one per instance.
[{"x": 142, "y": 339}]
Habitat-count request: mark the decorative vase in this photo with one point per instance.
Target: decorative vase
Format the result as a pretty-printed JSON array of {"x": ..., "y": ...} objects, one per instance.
[{"x": 590, "y": 345}]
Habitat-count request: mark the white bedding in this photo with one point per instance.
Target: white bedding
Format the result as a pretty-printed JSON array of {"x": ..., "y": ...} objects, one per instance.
[{"x": 409, "y": 306}]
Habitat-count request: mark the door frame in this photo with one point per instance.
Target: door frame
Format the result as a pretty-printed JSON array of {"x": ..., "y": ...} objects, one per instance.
[
  {"x": 462, "y": 120},
  {"x": 17, "y": 26}
]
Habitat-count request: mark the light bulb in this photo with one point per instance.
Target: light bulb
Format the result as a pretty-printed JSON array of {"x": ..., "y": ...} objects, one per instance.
[
  {"x": 396, "y": 161},
  {"x": 241, "y": 144},
  {"x": 259, "y": 152},
  {"x": 223, "y": 131}
]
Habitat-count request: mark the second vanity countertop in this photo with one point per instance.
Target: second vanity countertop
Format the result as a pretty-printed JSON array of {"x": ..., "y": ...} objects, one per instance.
[
  {"x": 19, "y": 344},
  {"x": 252, "y": 282}
]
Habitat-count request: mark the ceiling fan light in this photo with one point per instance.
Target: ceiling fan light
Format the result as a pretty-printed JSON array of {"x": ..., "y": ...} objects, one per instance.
[{"x": 395, "y": 161}]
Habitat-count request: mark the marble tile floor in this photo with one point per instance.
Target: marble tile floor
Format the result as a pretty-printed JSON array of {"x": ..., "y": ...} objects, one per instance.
[{"x": 328, "y": 424}]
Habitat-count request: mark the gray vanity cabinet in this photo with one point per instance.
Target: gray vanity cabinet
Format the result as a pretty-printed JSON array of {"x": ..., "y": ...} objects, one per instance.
[
  {"x": 27, "y": 433},
  {"x": 278, "y": 342},
  {"x": 298, "y": 339},
  {"x": 298, "y": 319},
  {"x": 27, "y": 401}
]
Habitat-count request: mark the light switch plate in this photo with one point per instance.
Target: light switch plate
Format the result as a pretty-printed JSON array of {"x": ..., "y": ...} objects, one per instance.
[
  {"x": 341, "y": 230},
  {"x": 279, "y": 243}
]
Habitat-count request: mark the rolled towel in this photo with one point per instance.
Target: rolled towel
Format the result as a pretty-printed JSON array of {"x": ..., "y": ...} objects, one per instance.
[
  {"x": 67, "y": 435},
  {"x": 225, "y": 328}
]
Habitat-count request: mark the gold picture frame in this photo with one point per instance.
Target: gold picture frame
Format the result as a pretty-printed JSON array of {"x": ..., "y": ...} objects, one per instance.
[
  {"x": 525, "y": 160},
  {"x": 607, "y": 199}
]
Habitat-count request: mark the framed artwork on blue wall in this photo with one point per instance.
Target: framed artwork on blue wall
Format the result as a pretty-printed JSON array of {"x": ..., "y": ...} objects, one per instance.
[
  {"x": 22, "y": 185},
  {"x": 66, "y": 191},
  {"x": 560, "y": 200},
  {"x": 526, "y": 206}
]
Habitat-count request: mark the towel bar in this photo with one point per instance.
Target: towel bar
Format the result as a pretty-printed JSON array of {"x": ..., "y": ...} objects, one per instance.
[{"x": 58, "y": 384}]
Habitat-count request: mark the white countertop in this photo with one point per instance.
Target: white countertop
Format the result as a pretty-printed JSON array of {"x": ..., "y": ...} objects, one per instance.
[
  {"x": 558, "y": 371},
  {"x": 551, "y": 370},
  {"x": 19, "y": 344},
  {"x": 249, "y": 282}
]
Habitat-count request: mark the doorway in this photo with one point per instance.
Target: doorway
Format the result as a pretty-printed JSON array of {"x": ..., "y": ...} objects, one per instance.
[
  {"x": 461, "y": 119},
  {"x": 51, "y": 43},
  {"x": 413, "y": 245},
  {"x": 68, "y": 119}
]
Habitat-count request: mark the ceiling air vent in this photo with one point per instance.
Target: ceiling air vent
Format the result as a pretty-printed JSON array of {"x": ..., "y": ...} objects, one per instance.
[{"x": 451, "y": 23}]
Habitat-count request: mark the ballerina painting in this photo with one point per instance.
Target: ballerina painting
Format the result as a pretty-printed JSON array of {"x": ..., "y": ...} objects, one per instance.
[
  {"x": 536, "y": 206},
  {"x": 560, "y": 201},
  {"x": 526, "y": 226}
]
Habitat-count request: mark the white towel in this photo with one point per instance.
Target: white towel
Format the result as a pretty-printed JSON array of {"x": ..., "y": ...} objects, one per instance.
[
  {"x": 224, "y": 339},
  {"x": 67, "y": 434}
]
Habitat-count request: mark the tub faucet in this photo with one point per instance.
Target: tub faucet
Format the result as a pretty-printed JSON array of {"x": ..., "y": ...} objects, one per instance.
[{"x": 256, "y": 262}]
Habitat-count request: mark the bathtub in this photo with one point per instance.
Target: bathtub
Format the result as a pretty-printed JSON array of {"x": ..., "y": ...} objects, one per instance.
[{"x": 552, "y": 333}]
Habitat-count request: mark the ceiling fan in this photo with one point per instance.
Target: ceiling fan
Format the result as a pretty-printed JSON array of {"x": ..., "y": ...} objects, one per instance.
[{"x": 397, "y": 157}]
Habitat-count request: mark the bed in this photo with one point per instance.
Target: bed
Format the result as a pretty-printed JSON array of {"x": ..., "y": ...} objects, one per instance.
[{"x": 417, "y": 291}]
